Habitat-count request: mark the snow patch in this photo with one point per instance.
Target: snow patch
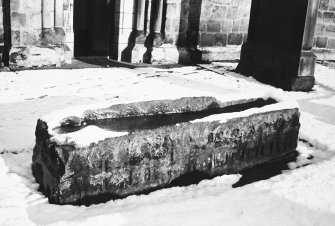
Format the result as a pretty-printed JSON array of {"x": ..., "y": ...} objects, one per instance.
[
  {"x": 316, "y": 132},
  {"x": 85, "y": 136},
  {"x": 280, "y": 97}
]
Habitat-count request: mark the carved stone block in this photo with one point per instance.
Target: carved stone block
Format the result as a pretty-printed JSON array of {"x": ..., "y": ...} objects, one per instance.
[{"x": 165, "y": 140}]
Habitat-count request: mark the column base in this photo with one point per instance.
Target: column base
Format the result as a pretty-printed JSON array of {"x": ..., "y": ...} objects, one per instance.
[
  {"x": 137, "y": 53},
  {"x": 171, "y": 54},
  {"x": 305, "y": 83},
  {"x": 164, "y": 54},
  {"x": 189, "y": 55},
  {"x": 307, "y": 64},
  {"x": 267, "y": 64},
  {"x": 305, "y": 79}
]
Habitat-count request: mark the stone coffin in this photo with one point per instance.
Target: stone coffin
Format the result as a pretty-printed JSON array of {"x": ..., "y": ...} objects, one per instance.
[{"x": 133, "y": 148}]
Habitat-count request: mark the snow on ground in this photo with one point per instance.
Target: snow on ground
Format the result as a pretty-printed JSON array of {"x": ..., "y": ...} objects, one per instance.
[{"x": 302, "y": 195}]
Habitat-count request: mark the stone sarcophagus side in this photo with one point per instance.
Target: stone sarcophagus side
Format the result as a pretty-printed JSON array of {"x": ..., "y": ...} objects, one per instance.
[{"x": 131, "y": 148}]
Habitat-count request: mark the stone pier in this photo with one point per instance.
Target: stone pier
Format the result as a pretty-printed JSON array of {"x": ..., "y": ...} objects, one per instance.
[
  {"x": 279, "y": 44},
  {"x": 140, "y": 33},
  {"x": 157, "y": 51}
]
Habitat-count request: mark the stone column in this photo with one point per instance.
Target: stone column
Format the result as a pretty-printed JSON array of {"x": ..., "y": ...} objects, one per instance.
[
  {"x": 59, "y": 13},
  {"x": 48, "y": 22},
  {"x": 307, "y": 58},
  {"x": 148, "y": 17},
  {"x": 278, "y": 48},
  {"x": 140, "y": 32},
  {"x": 140, "y": 22},
  {"x": 48, "y": 14},
  {"x": 60, "y": 34},
  {"x": 158, "y": 52},
  {"x": 59, "y": 22},
  {"x": 140, "y": 15},
  {"x": 68, "y": 25},
  {"x": 156, "y": 23}
]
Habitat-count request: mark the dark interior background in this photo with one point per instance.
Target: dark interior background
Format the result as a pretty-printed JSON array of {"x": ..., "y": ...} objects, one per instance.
[
  {"x": 92, "y": 22},
  {"x": 279, "y": 23}
]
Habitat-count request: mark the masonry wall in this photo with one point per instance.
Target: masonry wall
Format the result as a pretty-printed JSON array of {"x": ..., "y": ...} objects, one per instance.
[
  {"x": 207, "y": 23},
  {"x": 324, "y": 40},
  {"x": 29, "y": 27},
  {"x": 325, "y": 28},
  {"x": 26, "y": 22}
]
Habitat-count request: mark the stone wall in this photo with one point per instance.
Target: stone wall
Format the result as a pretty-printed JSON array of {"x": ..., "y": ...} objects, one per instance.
[
  {"x": 208, "y": 24},
  {"x": 33, "y": 22},
  {"x": 41, "y": 32},
  {"x": 216, "y": 27},
  {"x": 324, "y": 40},
  {"x": 26, "y": 22}
]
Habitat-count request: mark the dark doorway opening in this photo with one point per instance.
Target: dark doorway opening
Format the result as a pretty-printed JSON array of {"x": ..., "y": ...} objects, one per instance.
[{"x": 92, "y": 25}]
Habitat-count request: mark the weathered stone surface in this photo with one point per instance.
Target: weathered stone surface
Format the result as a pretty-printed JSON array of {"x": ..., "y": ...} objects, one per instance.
[
  {"x": 220, "y": 39},
  {"x": 321, "y": 42},
  {"x": 153, "y": 158},
  {"x": 213, "y": 26},
  {"x": 207, "y": 39},
  {"x": 158, "y": 107},
  {"x": 324, "y": 4},
  {"x": 235, "y": 39},
  {"x": 324, "y": 54},
  {"x": 38, "y": 56},
  {"x": 221, "y": 53},
  {"x": 218, "y": 19},
  {"x": 331, "y": 43},
  {"x": 325, "y": 30},
  {"x": 165, "y": 54}
]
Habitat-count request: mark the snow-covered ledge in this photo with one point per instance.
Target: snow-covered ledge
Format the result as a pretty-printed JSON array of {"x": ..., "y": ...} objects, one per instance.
[{"x": 121, "y": 149}]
